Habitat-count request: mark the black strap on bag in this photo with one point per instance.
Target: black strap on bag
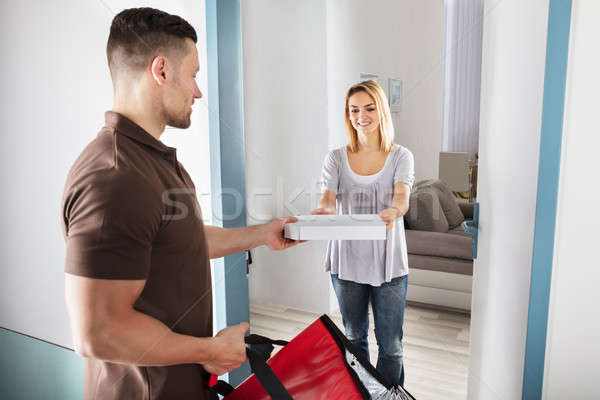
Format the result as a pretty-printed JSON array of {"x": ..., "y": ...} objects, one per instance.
[
  {"x": 257, "y": 339},
  {"x": 265, "y": 375},
  {"x": 259, "y": 351}
]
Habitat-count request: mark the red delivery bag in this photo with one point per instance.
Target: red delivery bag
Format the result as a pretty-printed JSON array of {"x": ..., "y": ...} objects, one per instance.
[{"x": 319, "y": 363}]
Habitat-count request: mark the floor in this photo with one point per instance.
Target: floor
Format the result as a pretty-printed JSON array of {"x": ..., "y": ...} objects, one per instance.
[{"x": 436, "y": 345}]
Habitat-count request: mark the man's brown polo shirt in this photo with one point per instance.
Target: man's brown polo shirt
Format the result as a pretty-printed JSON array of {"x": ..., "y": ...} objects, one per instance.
[{"x": 130, "y": 212}]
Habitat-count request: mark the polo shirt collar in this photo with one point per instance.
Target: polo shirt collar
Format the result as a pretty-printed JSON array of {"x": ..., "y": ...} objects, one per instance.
[{"x": 132, "y": 130}]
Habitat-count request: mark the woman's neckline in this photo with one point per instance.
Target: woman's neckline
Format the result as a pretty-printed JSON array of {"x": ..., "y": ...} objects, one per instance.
[{"x": 387, "y": 160}]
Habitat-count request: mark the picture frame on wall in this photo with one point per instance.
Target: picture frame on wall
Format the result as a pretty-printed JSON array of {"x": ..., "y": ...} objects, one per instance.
[
  {"x": 395, "y": 94},
  {"x": 379, "y": 79}
]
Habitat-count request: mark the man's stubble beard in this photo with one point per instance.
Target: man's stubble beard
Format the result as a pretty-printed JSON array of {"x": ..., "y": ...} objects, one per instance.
[
  {"x": 179, "y": 121},
  {"x": 182, "y": 120}
]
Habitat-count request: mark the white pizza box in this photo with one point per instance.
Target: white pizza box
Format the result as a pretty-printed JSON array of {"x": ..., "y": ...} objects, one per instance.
[{"x": 337, "y": 227}]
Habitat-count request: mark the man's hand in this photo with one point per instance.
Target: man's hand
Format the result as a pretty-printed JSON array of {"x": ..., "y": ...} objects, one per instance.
[
  {"x": 230, "y": 350},
  {"x": 272, "y": 234},
  {"x": 389, "y": 215}
]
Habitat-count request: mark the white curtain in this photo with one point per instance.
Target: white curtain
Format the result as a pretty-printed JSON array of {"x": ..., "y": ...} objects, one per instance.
[{"x": 462, "y": 75}]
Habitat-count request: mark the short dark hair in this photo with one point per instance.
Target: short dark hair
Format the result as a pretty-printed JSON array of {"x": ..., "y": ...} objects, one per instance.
[{"x": 137, "y": 35}]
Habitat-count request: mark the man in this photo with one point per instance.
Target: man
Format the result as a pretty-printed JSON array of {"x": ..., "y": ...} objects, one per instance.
[{"x": 137, "y": 280}]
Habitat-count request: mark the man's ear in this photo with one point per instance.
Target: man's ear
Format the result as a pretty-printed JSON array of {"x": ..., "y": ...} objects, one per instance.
[{"x": 158, "y": 69}]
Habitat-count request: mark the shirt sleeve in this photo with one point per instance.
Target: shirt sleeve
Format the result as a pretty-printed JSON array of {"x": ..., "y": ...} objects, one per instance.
[
  {"x": 330, "y": 173},
  {"x": 111, "y": 219},
  {"x": 405, "y": 168}
]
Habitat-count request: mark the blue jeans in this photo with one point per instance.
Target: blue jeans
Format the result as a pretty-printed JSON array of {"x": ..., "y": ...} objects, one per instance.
[{"x": 388, "y": 301}]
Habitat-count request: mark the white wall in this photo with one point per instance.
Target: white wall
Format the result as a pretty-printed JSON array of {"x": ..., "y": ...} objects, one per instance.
[
  {"x": 393, "y": 39},
  {"x": 573, "y": 350},
  {"x": 56, "y": 87},
  {"x": 285, "y": 112},
  {"x": 514, "y": 45}
]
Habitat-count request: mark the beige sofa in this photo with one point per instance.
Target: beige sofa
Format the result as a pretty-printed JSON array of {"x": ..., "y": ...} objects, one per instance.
[{"x": 439, "y": 251}]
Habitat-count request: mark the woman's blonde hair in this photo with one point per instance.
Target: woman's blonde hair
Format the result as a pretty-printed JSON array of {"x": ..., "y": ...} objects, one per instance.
[{"x": 386, "y": 127}]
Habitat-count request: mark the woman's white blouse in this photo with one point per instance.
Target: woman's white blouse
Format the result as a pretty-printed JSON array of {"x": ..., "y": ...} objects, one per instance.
[{"x": 367, "y": 261}]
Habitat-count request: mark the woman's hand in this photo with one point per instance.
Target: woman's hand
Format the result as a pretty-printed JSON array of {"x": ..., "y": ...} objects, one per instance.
[
  {"x": 389, "y": 215},
  {"x": 326, "y": 205},
  {"x": 323, "y": 211}
]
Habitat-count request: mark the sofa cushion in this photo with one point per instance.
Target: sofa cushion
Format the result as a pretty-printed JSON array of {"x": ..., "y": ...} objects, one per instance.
[
  {"x": 425, "y": 212},
  {"x": 451, "y": 208},
  {"x": 439, "y": 244},
  {"x": 442, "y": 264}
]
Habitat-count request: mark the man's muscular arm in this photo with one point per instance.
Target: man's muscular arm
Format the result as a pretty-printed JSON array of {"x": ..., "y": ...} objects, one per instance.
[
  {"x": 106, "y": 326},
  {"x": 225, "y": 241}
]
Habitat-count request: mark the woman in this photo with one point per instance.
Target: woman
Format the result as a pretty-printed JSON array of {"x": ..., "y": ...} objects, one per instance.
[{"x": 371, "y": 175}]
